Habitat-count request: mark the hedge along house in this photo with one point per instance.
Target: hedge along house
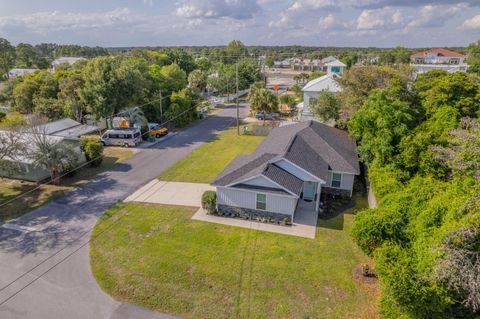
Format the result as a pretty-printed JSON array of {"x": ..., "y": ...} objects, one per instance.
[{"x": 288, "y": 172}]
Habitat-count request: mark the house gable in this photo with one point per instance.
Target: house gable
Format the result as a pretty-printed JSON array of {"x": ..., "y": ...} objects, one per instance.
[
  {"x": 260, "y": 181},
  {"x": 297, "y": 171}
]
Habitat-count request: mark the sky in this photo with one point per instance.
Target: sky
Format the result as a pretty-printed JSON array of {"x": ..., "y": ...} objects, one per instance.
[{"x": 364, "y": 23}]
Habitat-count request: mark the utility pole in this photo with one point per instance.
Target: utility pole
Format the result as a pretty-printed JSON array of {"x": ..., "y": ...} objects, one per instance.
[
  {"x": 161, "y": 106},
  {"x": 238, "y": 112}
]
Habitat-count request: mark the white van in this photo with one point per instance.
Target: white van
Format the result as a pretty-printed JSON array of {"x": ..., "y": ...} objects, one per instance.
[{"x": 122, "y": 137}]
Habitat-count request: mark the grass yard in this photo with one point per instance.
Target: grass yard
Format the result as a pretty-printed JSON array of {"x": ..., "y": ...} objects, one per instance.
[
  {"x": 206, "y": 162},
  {"x": 10, "y": 188},
  {"x": 157, "y": 257}
]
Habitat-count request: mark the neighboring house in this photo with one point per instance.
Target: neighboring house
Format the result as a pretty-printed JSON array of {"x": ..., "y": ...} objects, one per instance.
[
  {"x": 66, "y": 60},
  {"x": 438, "y": 59},
  {"x": 285, "y": 64},
  {"x": 329, "y": 64},
  {"x": 68, "y": 128},
  {"x": 292, "y": 167},
  {"x": 335, "y": 67},
  {"x": 307, "y": 65},
  {"x": 312, "y": 89},
  {"x": 27, "y": 169},
  {"x": 63, "y": 131},
  {"x": 13, "y": 73}
]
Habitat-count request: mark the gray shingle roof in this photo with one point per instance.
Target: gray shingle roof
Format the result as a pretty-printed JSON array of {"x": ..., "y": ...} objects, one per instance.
[
  {"x": 284, "y": 178},
  {"x": 262, "y": 189},
  {"x": 243, "y": 167},
  {"x": 331, "y": 144},
  {"x": 310, "y": 145}
]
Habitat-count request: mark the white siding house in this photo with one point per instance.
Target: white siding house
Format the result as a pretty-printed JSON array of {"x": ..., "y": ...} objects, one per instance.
[
  {"x": 297, "y": 162},
  {"x": 282, "y": 204},
  {"x": 312, "y": 90},
  {"x": 438, "y": 59}
]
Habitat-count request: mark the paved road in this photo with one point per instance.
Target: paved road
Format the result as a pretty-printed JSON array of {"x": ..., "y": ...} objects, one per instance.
[{"x": 32, "y": 285}]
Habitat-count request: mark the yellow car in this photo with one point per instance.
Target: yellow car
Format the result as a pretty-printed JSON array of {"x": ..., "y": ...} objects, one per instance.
[{"x": 156, "y": 130}]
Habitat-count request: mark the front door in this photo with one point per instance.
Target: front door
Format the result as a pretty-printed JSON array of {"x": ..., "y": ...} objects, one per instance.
[{"x": 309, "y": 189}]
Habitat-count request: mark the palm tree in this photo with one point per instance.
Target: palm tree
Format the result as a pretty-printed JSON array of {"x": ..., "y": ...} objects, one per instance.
[
  {"x": 135, "y": 115},
  {"x": 55, "y": 156},
  {"x": 254, "y": 96},
  {"x": 288, "y": 100},
  {"x": 197, "y": 79},
  {"x": 262, "y": 99},
  {"x": 50, "y": 152}
]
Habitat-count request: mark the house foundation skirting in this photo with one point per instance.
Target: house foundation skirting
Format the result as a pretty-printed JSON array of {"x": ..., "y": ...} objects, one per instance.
[
  {"x": 254, "y": 214},
  {"x": 336, "y": 191}
]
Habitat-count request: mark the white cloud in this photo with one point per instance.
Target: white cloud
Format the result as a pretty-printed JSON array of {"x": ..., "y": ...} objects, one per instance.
[
  {"x": 376, "y": 19},
  {"x": 436, "y": 15},
  {"x": 56, "y": 20},
  {"x": 327, "y": 22},
  {"x": 236, "y": 9},
  {"x": 471, "y": 24},
  {"x": 284, "y": 22}
]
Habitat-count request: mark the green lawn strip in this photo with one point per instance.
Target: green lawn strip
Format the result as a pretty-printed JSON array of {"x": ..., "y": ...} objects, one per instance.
[
  {"x": 206, "y": 162},
  {"x": 157, "y": 257},
  {"x": 45, "y": 193},
  {"x": 112, "y": 156}
]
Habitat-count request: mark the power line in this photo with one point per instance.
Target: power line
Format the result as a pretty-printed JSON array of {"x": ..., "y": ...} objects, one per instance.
[
  {"x": 62, "y": 249},
  {"x": 59, "y": 251},
  {"x": 84, "y": 164}
]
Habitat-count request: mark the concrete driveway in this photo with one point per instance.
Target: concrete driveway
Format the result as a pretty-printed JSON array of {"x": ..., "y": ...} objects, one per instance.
[
  {"x": 170, "y": 193},
  {"x": 44, "y": 263}
]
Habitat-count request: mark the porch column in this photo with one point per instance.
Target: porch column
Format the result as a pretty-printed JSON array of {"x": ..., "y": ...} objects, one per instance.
[{"x": 319, "y": 189}]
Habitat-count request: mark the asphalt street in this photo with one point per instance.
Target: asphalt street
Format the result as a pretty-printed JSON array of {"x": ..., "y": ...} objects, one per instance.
[{"x": 45, "y": 267}]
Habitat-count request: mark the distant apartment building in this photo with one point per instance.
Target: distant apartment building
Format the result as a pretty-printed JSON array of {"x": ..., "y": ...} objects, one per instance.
[
  {"x": 285, "y": 64},
  {"x": 438, "y": 59},
  {"x": 329, "y": 65}
]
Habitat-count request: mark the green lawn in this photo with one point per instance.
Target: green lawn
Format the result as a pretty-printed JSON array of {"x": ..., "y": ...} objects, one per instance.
[
  {"x": 157, "y": 257},
  {"x": 10, "y": 188},
  {"x": 206, "y": 162}
]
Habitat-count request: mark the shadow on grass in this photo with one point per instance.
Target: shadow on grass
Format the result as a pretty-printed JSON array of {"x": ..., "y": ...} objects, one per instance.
[
  {"x": 62, "y": 221},
  {"x": 336, "y": 207},
  {"x": 22, "y": 205},
  {"x": 335, "y": 223}
]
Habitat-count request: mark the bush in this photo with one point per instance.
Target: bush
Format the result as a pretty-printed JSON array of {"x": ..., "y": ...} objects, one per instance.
[
  {"x": 93, "y": 149},
  {"x": 373, "y": 227},
  {"x": 209, "y": 201}
]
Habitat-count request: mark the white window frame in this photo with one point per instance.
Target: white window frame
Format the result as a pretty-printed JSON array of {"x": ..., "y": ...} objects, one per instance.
[
  {"x": 336, "y": 180},
  {"x": 260, "y": 202}
]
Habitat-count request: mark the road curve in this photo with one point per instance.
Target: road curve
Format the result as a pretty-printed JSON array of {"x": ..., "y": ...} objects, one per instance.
[{"x": 45, "y": 268}]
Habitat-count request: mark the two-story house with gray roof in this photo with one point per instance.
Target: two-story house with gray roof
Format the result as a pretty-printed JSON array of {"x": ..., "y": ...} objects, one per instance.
[{"x": 292, "y": 166}]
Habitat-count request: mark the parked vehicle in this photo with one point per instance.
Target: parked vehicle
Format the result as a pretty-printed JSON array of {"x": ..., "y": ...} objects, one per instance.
[
  {"x": 267, "y": 116},
  {"x": 156, "y": 130},
  {"x": 122, "y": 137}
]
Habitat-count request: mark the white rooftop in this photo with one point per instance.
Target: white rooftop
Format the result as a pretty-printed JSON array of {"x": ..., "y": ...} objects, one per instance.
[
  {"x": 20, "y": 72},
  {"x": 27, "y": 139},
  {"x": 323, "y": 83},
  {"x": 67, "y": 59},
  {"x": 67, "y": 128},
  {"x": 336, "y": 63}
]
